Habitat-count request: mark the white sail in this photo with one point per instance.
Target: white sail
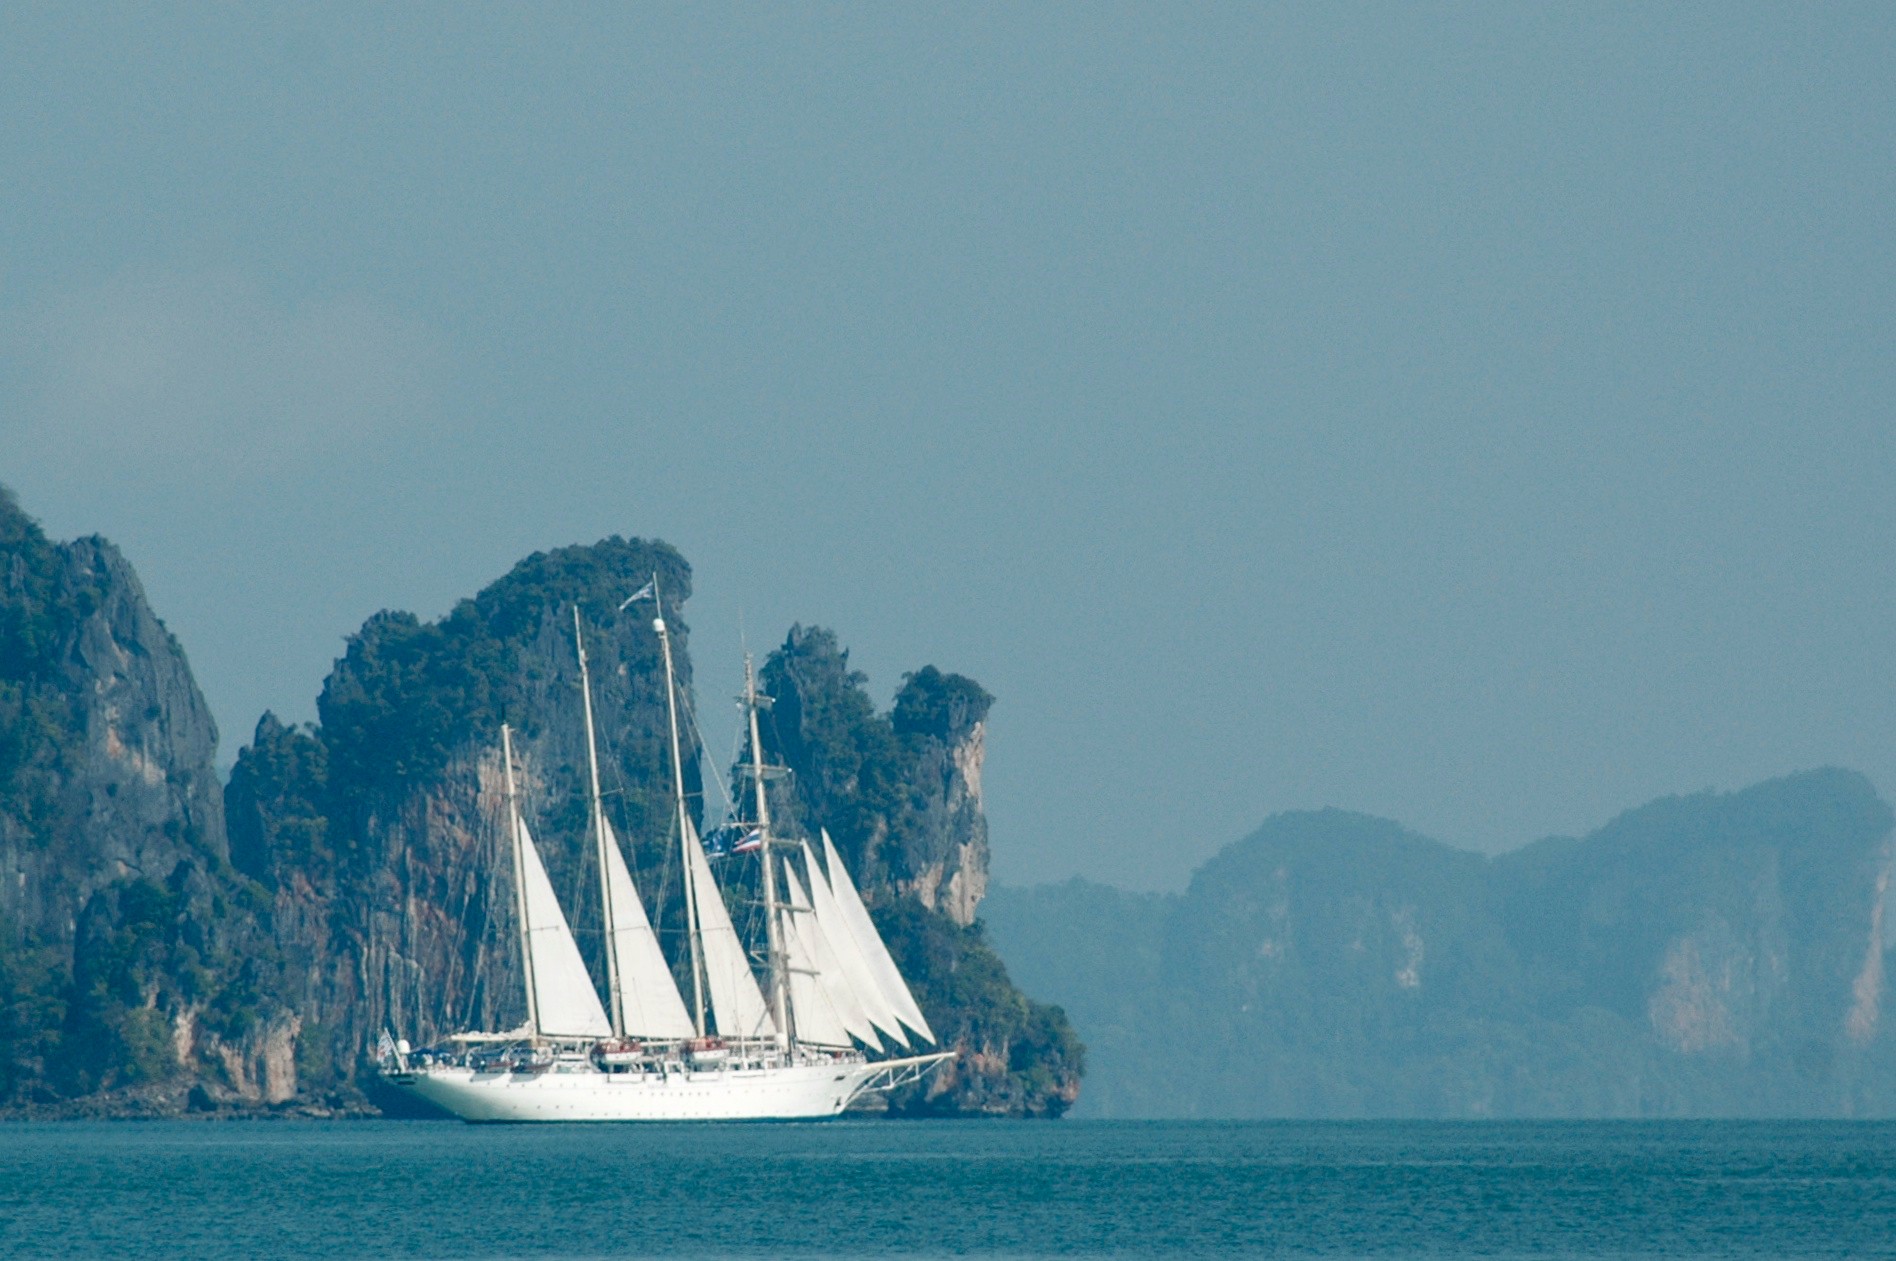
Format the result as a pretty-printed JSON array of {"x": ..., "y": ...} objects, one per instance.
[
  {"x": 563, "y": 989},
  {"x": 829, "y": 968},
  {"x": 651, "y": 1005},
  {"x": 736, "y": 1003},
  {"x": 852, "y": 974},
  {"x": 811, "y": 1007},
  {"x": 870, "y": 943}
]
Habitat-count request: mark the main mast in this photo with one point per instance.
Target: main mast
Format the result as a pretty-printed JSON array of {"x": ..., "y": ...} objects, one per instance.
[
  {"x": 520, "y": 886},
  {"x": 684, "y": 819},
  {"x": 615, "y": 1008},
  {"x": 771, "y": 927}
]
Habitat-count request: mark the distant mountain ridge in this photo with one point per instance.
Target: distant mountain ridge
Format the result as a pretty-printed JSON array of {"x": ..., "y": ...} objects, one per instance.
[{"x": 1720, "y": 954}]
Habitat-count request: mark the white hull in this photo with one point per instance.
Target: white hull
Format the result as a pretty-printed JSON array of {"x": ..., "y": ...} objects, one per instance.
[{"x": 574, "y": 1092}]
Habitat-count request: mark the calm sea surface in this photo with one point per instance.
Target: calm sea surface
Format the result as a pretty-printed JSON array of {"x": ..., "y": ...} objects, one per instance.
[{"x": 861, "y": 1189}]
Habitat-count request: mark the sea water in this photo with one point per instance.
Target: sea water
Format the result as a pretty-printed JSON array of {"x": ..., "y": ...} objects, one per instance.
[{"x": 391, "y": 1189}]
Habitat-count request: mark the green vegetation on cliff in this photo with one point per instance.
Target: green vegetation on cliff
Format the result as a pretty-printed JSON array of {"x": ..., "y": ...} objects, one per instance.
[
  {"x": 406, "y": 694},
  {"x": 409, "y": 696},
  {"x": 1017, "y": 1057},
  {"x": 277, "y": 804}
]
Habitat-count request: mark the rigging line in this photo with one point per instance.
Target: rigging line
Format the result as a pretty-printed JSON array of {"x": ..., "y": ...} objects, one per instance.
[
  {"x": 739, "y": 739},
  {"x": 654, "y": 891},
  {"x": 704, "y": 762},
  {"x": 575, "y": 905}
]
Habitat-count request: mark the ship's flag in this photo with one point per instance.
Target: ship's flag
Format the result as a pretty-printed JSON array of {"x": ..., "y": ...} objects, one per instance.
[
  {"x": 645, "y": 592},
  {"x": 733, "y": 839}
]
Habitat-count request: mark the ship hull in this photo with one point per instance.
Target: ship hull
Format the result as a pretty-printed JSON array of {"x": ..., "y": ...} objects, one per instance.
[{"x": 795, "y": 1092}]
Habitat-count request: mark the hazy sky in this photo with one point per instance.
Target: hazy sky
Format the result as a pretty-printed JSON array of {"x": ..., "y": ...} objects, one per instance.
[{"x": 1478, "y": 415}]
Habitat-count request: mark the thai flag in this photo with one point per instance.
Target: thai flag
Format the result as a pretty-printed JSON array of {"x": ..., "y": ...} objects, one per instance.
[{"x": 750, "y": 842}]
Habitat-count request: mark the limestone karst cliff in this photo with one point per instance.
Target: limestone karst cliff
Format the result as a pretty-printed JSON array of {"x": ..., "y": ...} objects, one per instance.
[
  {"x": 901, "y": 792},
  {"x": 378, "y": 831},
  {"x": 127, "y": 955},
  {"x": 107, "y": 766}
]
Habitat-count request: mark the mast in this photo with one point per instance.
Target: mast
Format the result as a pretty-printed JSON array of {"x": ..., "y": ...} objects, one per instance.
[
  {"x": 615, "y": 1007},
  {"x": 684, "y": 827},
  {"x": 774, "y": 930},
  {"x": 520, "y": 886}
]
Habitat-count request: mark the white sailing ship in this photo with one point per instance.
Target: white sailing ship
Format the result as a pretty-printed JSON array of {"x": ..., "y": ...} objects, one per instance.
[{"x": 832, "y": 1019}]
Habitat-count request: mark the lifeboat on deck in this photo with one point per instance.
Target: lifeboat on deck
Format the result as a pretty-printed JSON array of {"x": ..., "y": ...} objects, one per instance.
[
  {"x": 617, "y": 1054},
  {"x": 707, "y": 1053}
]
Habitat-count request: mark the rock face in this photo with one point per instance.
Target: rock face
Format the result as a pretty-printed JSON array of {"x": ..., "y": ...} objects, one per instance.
[
  {"x": 944, "y": 719},
  {"x": 122, "y": 926},
  {"x": 901, "y": 793},
  {"x": 1707, "y": 955},
  {"x": 107, "y": 728}
]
